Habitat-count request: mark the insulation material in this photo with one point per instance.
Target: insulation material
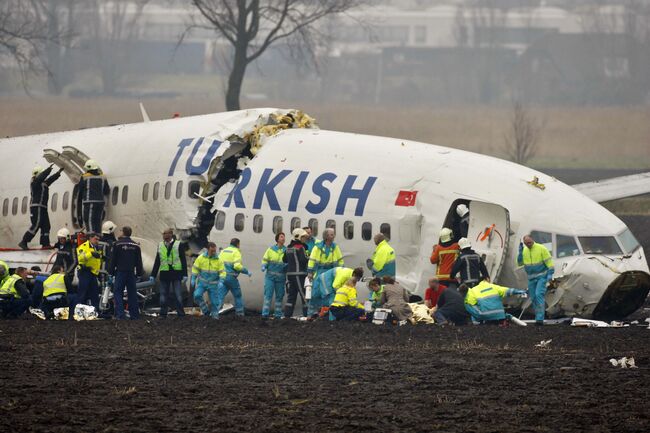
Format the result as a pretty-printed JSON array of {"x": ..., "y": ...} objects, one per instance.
[
  {"x": 84, "y": 312},
  {"x": 421, "y": 314}
]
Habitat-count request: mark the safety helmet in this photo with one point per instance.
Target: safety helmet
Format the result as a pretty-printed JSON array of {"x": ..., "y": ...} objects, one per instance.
[
  {"x": 37, "y": 170},
  {"x": 461, "y": 210},
  {"x": 464, "y": 243},
  {"x": 91, "y": 164},
  {"x": 63, "y": 233},
  {"x": 298, "y": 233},
  {"x": 445, "y": 235},
  {"x": 108, "y": 227}
]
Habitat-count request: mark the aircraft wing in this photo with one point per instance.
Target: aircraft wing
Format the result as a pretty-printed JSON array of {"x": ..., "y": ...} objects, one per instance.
[{"x": 616, "y": 187}]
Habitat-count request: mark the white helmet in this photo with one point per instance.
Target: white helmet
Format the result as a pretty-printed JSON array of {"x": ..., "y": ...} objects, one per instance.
[
  {"x": 91, "y": 164},
  {"x": 464, "y": 243},
  {"x": 445, "y": 235},
  {"x": 461, "y": 210},
  {"x": 108, "y": 227},
  {"x": 37, "y": 170},
  {"x": 298, "y": 233},
  {"x": 63, "y": 233}
]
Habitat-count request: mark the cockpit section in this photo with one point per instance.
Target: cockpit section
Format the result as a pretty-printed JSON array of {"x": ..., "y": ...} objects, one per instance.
[{"x": 562, "y": 245}]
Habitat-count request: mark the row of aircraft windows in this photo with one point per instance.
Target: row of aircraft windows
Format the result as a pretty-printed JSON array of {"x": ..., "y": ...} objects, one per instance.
[
  {"x": 278, "y": 222},
  {"x": 193, "y": 187}
]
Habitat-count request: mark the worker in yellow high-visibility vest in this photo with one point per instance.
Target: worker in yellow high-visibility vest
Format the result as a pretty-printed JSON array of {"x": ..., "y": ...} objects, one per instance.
[{"x": 55, "y": 292}]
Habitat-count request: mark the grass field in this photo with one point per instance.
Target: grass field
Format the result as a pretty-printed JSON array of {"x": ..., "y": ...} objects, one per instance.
[{"x": 586, "y": 137}]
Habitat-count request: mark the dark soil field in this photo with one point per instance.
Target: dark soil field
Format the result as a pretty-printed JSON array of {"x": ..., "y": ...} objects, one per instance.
[{"x": 196, "y": 374}]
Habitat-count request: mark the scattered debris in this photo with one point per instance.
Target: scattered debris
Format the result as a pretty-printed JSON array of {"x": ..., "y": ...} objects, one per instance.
[
  {"x": 623, "y": 362},
  {"x": 37, "y": 312},
  {"x": 84, "y": 312},
  {"x": 589, "y": 323},
  {"x": 544, "y": 343},
  {"x": 536, "y": 184},
  {"x": 615, "y": 324}
]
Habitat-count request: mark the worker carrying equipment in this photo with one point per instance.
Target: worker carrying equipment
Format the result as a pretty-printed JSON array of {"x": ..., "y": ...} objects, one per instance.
[{"x": 39, "y": 198}]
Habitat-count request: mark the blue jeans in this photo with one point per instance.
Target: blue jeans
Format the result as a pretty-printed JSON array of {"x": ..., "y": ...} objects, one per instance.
[
  {"x": 212, "y": 293},
  {"x": 122, "y": 280},
  {"x": 537, "y": 294},
  {"x": 347, "y": 313},
  {"x": 273, "y": 285},
  {"x": 173, "y": 289},
  {"x": 230, "y": 284},
  {"x": 14, "y": 307},
  {"x": 88, "y": 288}
]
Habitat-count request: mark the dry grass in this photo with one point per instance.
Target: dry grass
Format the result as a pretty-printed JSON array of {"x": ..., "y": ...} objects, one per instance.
[{"x": 573, "y": 137}]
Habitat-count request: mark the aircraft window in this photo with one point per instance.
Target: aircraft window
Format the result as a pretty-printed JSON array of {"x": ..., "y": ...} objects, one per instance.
[
  {"x": 220, "y": 220},
  {"x": 239, "y": 222},
  {"x": 156, "y": 191},
  {"x": 385, "y": 230},
  {"x": 366, "y": 231},
  {"x": 313, "y": 223},
  {"x": 23, "y": 207},
  {"x": 14, "y": 206},
  {"x": 599, "y": 245},
  {"x": 348, "y": 230},
  {"x": 295, "y": 223},
  {"x": 145, "y": 192},
  {"x": 258, "y": 223},
  {"x": 629, "y": 242},
  {"x": 64, "y": 202},
  {"x": 277, "y": 225},
  {"x": 168, "y": 190},
  {"x": 543, "y": 238},
  {"x": 5, "y": 207},
  {"x": 116, "y": 192},
  {"x": 193, "y": 187},
  {"x": 179, "y": 189},
  {"x": 330, "y": 224},
  {"x": 566, "y": 246},
  {"x": 55, "y": 199},
  {"x": 125, "y": 194}
]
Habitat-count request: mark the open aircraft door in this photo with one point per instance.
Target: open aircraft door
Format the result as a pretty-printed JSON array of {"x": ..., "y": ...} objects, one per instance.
[{"x": 489, "y": 231}]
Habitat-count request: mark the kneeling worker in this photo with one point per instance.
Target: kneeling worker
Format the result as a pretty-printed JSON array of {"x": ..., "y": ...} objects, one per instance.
[
  {"x": 345, "y": 305},
  {"x": 484, "y": 302},
  {"x": 55, "y": 292},
  {"x": 327, "y": 283},
  {"x": 14, "y": 296}
]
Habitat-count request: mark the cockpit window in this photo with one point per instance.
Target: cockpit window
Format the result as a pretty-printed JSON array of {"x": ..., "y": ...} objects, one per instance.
[
  {"x": 629, "y": 242},
  {"x": 566, "y": 246},
  {"x": 543, "y": 238},
  {"x": 599, "y": 245}
]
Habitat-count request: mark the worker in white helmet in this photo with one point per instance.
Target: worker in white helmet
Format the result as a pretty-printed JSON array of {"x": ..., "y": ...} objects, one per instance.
[
  {"x": 461, "y": 223},
  {"x": 93, "y": 187},
  {"x": 66, "y": 254},
  {"x": 443, "y": 256},
  {"x": 40, "y": 195}
]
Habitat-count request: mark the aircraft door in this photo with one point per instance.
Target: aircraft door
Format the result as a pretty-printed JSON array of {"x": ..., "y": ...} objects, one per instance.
[{"x": 489, "y": 230}]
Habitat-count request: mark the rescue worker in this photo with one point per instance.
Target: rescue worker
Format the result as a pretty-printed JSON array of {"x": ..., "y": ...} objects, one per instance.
[
  {"x": 325, "y": 255},
  {"x": 327, "y": 283},
  {"x": 396, "y": 298},
  {"x": 383, "y": 259},
  {"x": 484, "y": 302},
  {"x": 40, "y": 195},
  {"x": 444, "y": 255},
  {"x": 89, "y": 258},
  {"x": 450, "y": 308},
  {"x": 66, "y": 254},
  {"x": 376, "y": 288},
  {"x": 4, "y": 272},
  {"x": 469, "y": 265},
  {"x": 14, "y": 296},
  {"x": 276, "y": 276},
  {"x": 231, "y": 258},
  {"x": 207, "y": 273},
  {"x": 461, "y": 223},
  {"x": 35, "y": 285},
  {"x": 296, "y": 259},
  {"x": 92, "y": 187},
  {"x": 171, "y": 261},
  {"x": 311, "y": 240},
  {"x": 125, "y": 265},
  {"x": 536, "y": 260},
  {"x": 55, "y": 292},
  {"x": 345, "y": 305},
  {"x": 106, "y": 241},
  {"x": 432, "y": 292}
]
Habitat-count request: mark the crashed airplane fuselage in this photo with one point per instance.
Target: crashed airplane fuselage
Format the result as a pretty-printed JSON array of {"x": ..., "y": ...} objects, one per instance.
[{"x": 252, "y": 173}]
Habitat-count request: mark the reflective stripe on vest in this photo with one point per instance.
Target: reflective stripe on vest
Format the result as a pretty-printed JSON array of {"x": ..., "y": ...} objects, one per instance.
[
  {"x": 53, "y": 285},
  {"x": 8, "y": 286},
  {"x": 172, "y": 262}
]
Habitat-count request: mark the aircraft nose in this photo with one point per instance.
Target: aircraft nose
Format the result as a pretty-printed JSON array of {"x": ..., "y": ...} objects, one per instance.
[{"x": 623, "y": 296}]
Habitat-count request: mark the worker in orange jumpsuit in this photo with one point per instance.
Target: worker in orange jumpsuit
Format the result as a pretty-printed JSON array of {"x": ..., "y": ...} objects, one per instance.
[{"x": 444, "y": 255}]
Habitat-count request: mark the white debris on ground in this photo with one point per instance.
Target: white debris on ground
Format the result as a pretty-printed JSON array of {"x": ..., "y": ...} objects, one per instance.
[
  {"x": 84, "y": 312},
  {"x": 589, "y": 323},
  {"x": 544, "y": 343},
  {"x": 623, "y": 362}
]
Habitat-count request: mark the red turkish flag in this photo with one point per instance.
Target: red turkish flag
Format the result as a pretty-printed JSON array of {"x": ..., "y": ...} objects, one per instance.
[{"x": 406, "y": 198}]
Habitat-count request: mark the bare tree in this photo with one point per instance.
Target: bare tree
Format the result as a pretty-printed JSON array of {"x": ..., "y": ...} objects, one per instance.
[
  {"x": 252, "y": 26},
  {"x": 524, "y": 134}
]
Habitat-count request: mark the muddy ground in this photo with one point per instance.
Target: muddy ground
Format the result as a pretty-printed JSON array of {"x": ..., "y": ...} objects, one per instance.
[{"x": 197, "y": 374}]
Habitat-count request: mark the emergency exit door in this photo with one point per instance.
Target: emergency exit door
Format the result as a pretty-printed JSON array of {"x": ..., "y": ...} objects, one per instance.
[{"x": 489, "y": 230}]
